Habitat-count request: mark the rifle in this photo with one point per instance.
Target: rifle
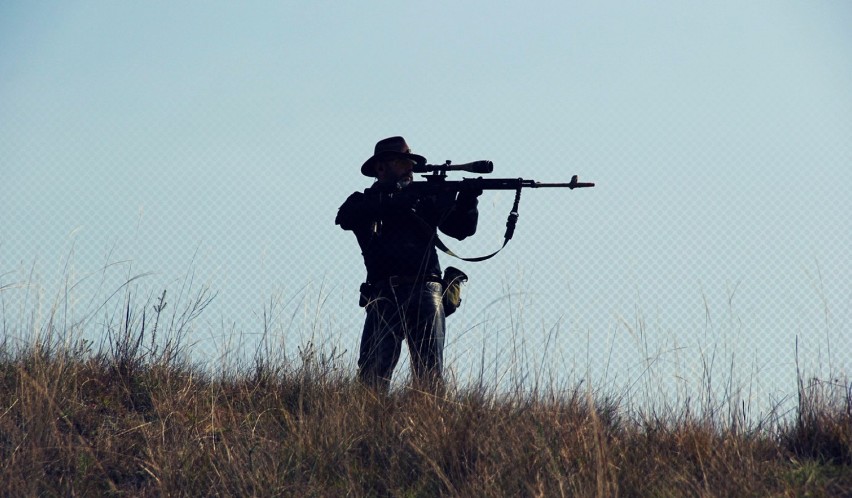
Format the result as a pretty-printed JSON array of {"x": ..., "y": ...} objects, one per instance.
[
  {"x": 436, "y": 181},
  {"x": 438, "y": 177}
]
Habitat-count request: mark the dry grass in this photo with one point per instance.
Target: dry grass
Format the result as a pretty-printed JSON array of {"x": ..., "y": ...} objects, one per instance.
[{"x": 130, "y": 418}]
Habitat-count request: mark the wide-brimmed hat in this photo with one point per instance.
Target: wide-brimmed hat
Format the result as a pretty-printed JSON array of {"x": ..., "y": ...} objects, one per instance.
[{"x": 392, "y": 147}]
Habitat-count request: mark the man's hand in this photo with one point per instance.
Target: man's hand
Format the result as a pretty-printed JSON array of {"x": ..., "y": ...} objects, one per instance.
[{"x": 467, "y": 198}]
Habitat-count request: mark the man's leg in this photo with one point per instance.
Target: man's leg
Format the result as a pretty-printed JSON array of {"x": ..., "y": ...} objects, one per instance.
[
  {"x": 381, "y": 343},
  {"x": 426, "y": 329}
]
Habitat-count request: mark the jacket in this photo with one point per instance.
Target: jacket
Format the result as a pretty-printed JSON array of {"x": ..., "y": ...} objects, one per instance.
[{"x": 396, "y": 230}]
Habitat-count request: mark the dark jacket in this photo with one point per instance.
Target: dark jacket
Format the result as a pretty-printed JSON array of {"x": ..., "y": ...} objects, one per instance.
[{"x": 396, "y": 229}]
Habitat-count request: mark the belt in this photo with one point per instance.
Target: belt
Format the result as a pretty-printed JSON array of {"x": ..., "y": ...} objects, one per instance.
[{"x": 398, "y": 280}]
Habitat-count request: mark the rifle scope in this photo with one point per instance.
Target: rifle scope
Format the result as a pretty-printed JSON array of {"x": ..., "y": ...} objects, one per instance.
[{"x": 474, "y": 167}]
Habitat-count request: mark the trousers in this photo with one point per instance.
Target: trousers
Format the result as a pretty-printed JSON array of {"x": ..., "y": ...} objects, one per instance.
[{"x": 410, "y": 313}]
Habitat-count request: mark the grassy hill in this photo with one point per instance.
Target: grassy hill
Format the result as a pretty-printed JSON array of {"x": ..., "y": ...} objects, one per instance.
[{"x": 126, "y": 419}]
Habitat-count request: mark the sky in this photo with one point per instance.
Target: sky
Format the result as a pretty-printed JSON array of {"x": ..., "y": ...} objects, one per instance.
[{"x": 208, "y": 145}]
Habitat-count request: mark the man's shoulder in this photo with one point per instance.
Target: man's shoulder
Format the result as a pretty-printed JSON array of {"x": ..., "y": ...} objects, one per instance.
[
  {"x": 355, "y": 200},
  {"x": 354, "y": 196}
]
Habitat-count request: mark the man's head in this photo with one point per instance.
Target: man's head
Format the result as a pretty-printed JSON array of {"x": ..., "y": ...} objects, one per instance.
[
  {"x": 396, "y": 170},
  {"x": 392, "y": 161}
]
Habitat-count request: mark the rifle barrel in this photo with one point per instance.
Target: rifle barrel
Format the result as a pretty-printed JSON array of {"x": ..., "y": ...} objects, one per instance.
[
  {"x": 494, "y": 184},
  {"x": 571, "y": 185}
]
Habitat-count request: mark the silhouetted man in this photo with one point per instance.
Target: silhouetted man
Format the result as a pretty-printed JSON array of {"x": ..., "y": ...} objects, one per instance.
[{"x": 396, "y": 231}]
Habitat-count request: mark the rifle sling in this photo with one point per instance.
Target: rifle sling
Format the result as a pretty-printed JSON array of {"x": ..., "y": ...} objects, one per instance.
[
  {"x": 440, "y": 245},
  {"x": 511, "y": 221}
]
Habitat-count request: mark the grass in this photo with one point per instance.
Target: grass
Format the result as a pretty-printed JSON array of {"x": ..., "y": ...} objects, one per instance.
[{"x": 133, "y": 416}]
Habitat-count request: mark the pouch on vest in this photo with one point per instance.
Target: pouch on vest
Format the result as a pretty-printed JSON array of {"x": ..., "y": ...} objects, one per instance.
[
  {"x": 367, "y": 294},
  {"x": 452, "y": 281}
]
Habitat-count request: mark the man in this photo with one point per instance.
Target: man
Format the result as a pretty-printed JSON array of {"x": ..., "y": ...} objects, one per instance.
[{"x": 396, "y": 230}]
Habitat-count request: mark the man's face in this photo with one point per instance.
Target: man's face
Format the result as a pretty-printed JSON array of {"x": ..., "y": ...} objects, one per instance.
[{"x": 395, "y": 171}]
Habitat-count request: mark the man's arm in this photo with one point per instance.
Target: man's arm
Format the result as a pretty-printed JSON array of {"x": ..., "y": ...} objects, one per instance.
[{"x": 461, "y": 220}]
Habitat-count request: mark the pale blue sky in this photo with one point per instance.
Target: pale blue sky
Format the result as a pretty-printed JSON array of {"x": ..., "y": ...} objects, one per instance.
[{"x": 720, "y": 137}]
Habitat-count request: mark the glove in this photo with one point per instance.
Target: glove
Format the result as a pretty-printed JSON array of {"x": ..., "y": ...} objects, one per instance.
[{"x": 468, "y": 198}]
